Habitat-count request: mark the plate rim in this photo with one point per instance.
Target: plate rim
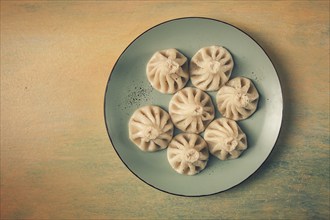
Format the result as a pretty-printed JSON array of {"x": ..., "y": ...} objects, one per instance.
[{"x": 183, "y": 18}]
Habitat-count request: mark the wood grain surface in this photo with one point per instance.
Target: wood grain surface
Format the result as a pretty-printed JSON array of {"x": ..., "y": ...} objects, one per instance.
[{"x": 56, "y": 159}]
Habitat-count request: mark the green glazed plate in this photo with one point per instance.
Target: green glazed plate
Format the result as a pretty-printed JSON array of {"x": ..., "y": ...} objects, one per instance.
[{"x": 129, "y": 89}]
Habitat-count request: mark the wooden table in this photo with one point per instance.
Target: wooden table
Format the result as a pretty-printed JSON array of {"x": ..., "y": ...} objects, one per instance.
[{"x": 56, "y": 159}]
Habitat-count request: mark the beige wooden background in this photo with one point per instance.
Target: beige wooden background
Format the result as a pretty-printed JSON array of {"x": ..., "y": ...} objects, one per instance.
[{"x": 56, "y": 159}]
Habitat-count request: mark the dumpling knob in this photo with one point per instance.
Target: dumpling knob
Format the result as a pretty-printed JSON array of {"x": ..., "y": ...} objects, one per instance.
[
  {"x": 150, "y": 133},
  {"x": 171, "y": 67},
  {"x": 191, "y": 155},
  {"x": 213, "y": 67}
]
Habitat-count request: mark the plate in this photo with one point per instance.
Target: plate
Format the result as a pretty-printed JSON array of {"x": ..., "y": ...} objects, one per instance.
[{"x": 129, "y": 89}]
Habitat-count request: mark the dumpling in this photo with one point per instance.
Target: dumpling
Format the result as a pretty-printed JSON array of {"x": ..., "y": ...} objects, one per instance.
[
  {"x": 210, "y": 68},
  {"x": 167, "y": 71},
  {"x": 191, "y": 110},
  {"x": 225, "y": 139},
  {"x": 188, "y": 153},
  {"x": 238, "y": 99},
  {"x": 150, "y": 128}
]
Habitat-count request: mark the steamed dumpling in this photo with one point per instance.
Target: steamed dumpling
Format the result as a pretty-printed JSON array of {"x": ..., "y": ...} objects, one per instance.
[
  {"x": 191, "y": 110},
  {"x": 225, "y": 139},
  {"x": 167, "y": 71},
  {"x": 210, "y": 68},
  {"x": 188, "y": 153},
  {"x": 150, "y": 128},
  {"x": 238, "y": 99}
]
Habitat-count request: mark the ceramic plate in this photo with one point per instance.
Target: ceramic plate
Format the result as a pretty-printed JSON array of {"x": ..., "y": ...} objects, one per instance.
[{"x": 129, "y": 89}]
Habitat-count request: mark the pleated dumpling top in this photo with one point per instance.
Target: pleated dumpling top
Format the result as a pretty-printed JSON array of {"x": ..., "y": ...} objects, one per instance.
[
  {"x": 167, "y": 71},
  {"x": 150, "y": 128},
  {"x": 211, "y": 67},
  {"x": 188, "y": 153},
  {"x": 191, "y": 110},
  {"x": 225, "y": 139},
  {"x": 238, "y": 99}
]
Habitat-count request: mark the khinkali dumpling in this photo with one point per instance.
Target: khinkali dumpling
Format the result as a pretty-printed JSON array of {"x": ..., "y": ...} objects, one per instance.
[
  {"x": 225, "y": 139},
  {"x": 167, "y": 71},
  {"x": 150, "y": 128},
  {"x": 210, "y": 68},
  {"x": 191, "y": 110},
  {"x": 238, "y": 99},
  {"x": 188, "y": 153}
]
